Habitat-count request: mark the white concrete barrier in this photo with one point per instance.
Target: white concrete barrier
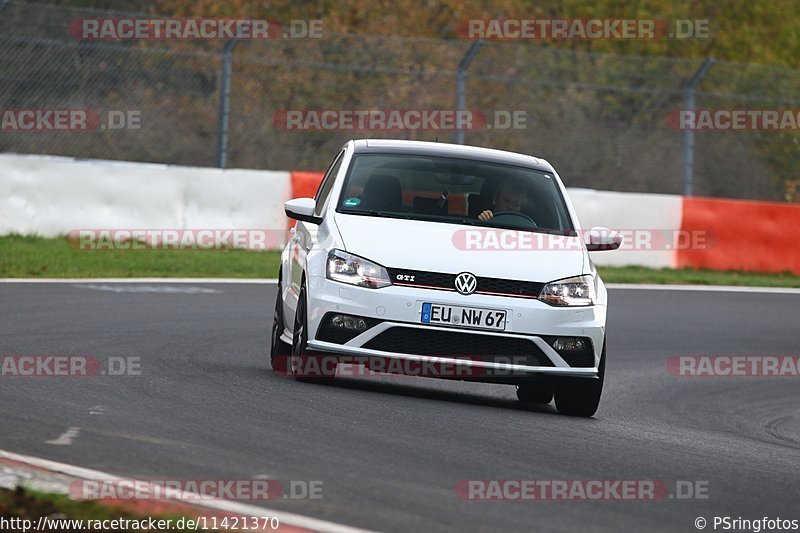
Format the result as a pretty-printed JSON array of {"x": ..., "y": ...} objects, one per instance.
[
  {"x": 50, "y": 196},
  {"x": 640, "y": 217}
]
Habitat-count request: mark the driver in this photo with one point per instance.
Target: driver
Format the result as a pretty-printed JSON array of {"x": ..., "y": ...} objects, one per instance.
[{"x": 508, "y": 196}]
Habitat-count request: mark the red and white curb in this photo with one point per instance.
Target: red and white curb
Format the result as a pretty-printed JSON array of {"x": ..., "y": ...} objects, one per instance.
[{"x": 54, "y": 477}]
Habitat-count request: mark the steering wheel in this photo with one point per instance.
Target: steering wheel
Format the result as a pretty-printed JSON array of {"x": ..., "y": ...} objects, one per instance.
[{"x": 513, "y": 214}]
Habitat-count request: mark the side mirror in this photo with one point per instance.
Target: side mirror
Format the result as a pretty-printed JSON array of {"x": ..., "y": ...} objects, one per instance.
[
  {"x": 302, "y": 209},
  {"x": 599, "y": 239}
]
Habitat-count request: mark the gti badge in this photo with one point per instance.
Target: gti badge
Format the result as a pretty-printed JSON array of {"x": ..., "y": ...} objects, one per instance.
[{"x": 466, "y": 283}]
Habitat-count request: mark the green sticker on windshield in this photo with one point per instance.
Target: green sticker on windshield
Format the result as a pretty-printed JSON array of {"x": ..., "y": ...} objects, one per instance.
[{"x": 352, "y": 202}]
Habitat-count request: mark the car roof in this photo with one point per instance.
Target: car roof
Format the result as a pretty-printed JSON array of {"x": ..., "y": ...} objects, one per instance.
[{"x": 396, "y": 146}]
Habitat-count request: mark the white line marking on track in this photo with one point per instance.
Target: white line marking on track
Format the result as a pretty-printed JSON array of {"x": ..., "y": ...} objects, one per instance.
[
  {"x": 65, "y": 439},
  {"x": 710, "y": 288},
  {"x": 289, "y": 519},
  {"x": 156, "y": 288},
  {"x": 251, "y": 281}
]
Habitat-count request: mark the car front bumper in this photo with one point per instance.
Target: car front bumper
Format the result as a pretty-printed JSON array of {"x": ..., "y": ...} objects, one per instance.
[{"x": 528, "y": 321}]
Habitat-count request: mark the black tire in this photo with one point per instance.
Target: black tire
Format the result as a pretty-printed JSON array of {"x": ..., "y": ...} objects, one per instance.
[
  {"x": 279, "y": 350},
  {"x": 581, "y": 397},
  {"x": 300, "y": 367},
  {"x": 538, "y": 393}
]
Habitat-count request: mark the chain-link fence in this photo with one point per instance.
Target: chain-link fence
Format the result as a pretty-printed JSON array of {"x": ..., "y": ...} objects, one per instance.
[{"x": 600, "y": 119}]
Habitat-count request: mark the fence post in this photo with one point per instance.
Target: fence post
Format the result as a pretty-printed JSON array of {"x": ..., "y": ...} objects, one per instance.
[
  {"x": 688, "y": 133},
  {"x": 224, "y": 103},
  {"x": 461, "y": 78}
]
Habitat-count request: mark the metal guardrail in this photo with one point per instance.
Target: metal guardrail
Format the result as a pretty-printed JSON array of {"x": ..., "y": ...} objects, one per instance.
[{"x": 601, "y": 119}]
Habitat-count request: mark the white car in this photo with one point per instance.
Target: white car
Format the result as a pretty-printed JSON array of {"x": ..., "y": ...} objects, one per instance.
[{"x": 444, "y": 261}]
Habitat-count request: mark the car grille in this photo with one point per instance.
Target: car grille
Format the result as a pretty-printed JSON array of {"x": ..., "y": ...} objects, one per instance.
[
  {"x": 438, "y": 343},
  {"x": 441, "y": 281}
]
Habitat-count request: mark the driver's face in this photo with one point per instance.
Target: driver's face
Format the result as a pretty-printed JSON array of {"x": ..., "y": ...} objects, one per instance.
[{"x": 509, "y": 200}]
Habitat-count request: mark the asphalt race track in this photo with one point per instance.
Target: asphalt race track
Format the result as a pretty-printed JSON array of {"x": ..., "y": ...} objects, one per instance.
[{"x": 390, "y": 451}]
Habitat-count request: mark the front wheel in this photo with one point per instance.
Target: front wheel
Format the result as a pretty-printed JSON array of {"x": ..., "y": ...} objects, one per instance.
[
  {"x": 580, "y": 396},
  {"x": 279, "y": 350},
  {"x": 306, "y": 365}
]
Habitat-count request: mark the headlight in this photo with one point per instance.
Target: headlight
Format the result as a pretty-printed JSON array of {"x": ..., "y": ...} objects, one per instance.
[
  {"x": 577, "y": 291},
  {"x": 354, "y": 270}
]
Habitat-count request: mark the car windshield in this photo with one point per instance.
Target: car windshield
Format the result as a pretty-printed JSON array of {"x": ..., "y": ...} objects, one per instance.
[{"x": 456, "y": 191}]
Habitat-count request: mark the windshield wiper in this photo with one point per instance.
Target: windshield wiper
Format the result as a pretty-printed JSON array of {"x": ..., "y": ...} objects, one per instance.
[
  {"x": 537, "y": 229},
  {"x": 377, "y": 213}
]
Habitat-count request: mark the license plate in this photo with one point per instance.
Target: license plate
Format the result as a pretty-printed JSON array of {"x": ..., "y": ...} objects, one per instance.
[{"x": 467, "y": 317}]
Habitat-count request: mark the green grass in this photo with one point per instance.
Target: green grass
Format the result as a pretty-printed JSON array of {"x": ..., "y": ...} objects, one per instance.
[
  {"x": 37, "y": 257},
  {"x": 688, "y": 276},
  {"x": 26, "y": 504}
]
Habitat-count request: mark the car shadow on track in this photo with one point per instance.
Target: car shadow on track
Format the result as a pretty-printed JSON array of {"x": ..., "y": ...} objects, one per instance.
[{"x": 384, "y": 385}]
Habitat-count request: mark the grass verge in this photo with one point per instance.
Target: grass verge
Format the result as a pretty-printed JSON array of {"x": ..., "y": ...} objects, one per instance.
[
  {"x": 689, "y": 276},
  {"x": 20, "y": 505},
  {"x": 38, "y": 257}
]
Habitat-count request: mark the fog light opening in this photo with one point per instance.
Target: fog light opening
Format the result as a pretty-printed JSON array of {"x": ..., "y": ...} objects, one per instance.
[
  {"x": 569, "y": 344},
  {"x": 350, "y": 323}
]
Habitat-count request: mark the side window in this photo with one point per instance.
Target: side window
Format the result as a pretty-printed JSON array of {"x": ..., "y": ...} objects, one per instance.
[{"x": 327, "y": 183}]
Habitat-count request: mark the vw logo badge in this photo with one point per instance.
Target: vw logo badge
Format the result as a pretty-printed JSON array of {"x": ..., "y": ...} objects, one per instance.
[{"x": 466, "y": 283}]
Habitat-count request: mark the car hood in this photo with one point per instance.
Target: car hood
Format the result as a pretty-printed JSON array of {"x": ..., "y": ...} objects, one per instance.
[{"x": 452, "y": 248}]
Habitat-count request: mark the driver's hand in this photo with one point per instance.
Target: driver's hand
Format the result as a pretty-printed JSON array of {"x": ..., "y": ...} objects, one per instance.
[{"x": 485, "y": 215}]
